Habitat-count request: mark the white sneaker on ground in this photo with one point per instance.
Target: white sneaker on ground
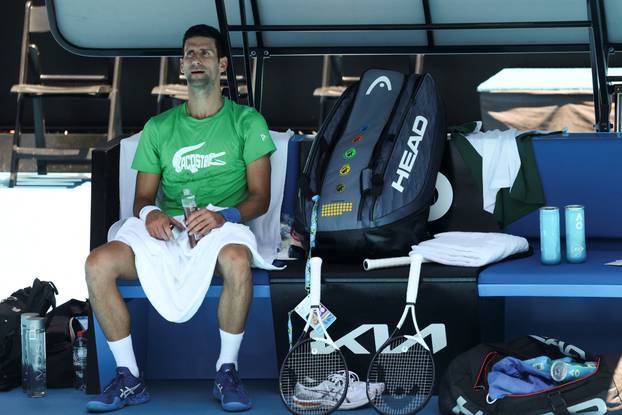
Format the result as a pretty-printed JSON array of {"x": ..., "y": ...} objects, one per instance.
[
  {"x": 328, "y": 392},
  {"x": 325, "y": 393}
]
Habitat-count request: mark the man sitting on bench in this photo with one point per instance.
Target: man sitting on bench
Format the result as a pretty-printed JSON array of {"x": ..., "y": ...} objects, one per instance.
[{"x": 220, "y": 151}]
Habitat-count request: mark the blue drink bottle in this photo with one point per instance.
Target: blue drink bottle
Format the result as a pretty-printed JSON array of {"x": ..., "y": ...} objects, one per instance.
[
  {"x": 575, "y": 234},
  {"x": 550, "y": 248}
]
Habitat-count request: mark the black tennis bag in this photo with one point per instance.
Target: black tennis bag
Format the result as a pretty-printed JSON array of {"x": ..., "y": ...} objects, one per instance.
[
  {"x": 374, "y": 164},
  {"x": 464, "y": 387},
  {"x": 36, "y": 299}
]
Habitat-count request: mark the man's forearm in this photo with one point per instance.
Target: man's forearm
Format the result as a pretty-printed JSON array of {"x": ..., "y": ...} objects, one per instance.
[
  {"x": 253, "y": 206},
  {"x": 140, "y": 203}
]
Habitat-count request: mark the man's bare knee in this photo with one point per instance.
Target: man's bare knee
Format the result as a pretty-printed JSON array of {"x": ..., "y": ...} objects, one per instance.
[
  {"x": 234, "y": 255},
  {"x": 109, "y": 262},
  {"x": 235, "y": 262}
]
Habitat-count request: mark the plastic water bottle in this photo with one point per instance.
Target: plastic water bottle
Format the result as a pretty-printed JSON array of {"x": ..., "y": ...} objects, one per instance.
[
  {"x": 24, "y": 336},
  {"x": 79, "y": 361},
  {"x": 189, "y": 203},
  {"x": 35, "y": 338}
]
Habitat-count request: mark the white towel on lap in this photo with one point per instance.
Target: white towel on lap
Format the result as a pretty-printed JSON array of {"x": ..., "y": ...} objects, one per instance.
[
  {"x": 174, "y": 276},
  {"x": 470, "y": 249}
]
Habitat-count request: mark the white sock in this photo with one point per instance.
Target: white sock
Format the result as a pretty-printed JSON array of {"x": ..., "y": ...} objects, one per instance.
[
  {"x": 229, "y": 348},
  {"x": 123, "y": 353}
]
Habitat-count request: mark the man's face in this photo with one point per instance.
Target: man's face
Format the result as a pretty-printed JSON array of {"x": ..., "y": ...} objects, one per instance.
[{"x": 200, "y": 63}]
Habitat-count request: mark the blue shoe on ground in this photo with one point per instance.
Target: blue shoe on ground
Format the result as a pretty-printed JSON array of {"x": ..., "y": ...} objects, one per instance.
[
  {"x": 228, "y": 389},
  {"x": 124, "y": 390}
]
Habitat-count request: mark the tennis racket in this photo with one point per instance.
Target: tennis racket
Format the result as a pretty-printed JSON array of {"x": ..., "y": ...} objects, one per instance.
[
  {"x": 401, "y": 374},
  {"x": 309, "y": 380}
]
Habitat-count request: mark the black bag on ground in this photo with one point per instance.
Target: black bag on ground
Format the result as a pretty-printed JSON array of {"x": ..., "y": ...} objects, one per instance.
[
  {"x": 464, "y": 387},
  {"x": 60, "y": 333},
  {"x": 374, "y": 164},
  {"x": 35, "y": 299}
]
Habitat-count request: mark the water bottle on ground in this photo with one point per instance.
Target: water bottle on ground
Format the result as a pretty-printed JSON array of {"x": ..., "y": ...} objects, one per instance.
[
  {"x": 24, "y": 340},
  {"x": 189, "y": 203},
  {"x": 79, "y": 361},
  {"x": 35, "y": 338}
]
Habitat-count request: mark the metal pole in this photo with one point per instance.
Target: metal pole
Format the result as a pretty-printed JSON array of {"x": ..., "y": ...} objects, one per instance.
[
  {"x": 114, "y": 117},
  {"x": 247, "y": 63},
  {"x": 431, "y": 26},
  {"x": 617, "y": 90},
  {"x": 162, "y": 81},
  {"x": 224, "y": 30},
  {"x": 327, "y": 70},
  {"x": 258, "y": 78},
  {"x": 23, "y": 65},
  {"x": 428, "y": 20},
  {"x": 598, "y": 57},
  {"x": 257, "y": 20}
]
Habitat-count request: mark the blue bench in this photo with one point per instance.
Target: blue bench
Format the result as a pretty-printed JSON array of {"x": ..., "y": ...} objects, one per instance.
[
  {"x": 569, "y": 300},
  {"x": 167, "y": 350}
]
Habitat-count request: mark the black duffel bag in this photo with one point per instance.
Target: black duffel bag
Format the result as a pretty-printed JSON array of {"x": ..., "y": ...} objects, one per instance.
[
  {"x": 36, "y": 299},
  {"x": 60, "y": 333},
  {"x": 464, "y": 388}
]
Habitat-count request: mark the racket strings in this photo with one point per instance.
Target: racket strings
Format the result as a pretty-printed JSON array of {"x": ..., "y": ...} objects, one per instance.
[
  {"x": 406, "y": 369},
  {"x": 311, "y": 382}
]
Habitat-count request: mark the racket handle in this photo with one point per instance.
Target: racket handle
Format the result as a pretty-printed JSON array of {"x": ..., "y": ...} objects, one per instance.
[
  {"x": 413, "y": 277},
  {"x": 400, "y": 261},
  {"x": 316, "y": 280}
]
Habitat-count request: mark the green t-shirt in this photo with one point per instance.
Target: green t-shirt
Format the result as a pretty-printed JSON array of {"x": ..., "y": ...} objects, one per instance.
[{"x": 208, "y": 156}]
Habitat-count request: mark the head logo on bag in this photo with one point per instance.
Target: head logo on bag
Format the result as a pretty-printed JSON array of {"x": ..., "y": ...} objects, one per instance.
[
  {"x": 409, "y": 156},
  {"x": 565, "y": 348},
  {"x": 381, "y": 81}
]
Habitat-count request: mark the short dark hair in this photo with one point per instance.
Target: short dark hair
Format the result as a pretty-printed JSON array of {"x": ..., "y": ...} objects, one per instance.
[{"x": 203, "y": 30}]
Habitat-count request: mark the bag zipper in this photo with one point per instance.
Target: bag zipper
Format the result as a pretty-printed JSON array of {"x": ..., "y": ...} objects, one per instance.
[
  {"x": 418, "y": 83},
  {"x": 479, "y": 381}
]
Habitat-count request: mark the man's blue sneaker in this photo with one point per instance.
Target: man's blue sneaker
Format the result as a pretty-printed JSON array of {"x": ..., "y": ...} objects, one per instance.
[
  {"x": 125, "y": 389},
  {"x": 228, "y": 389}
]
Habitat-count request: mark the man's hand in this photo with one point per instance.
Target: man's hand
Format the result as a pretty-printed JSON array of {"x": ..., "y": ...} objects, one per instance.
[
  {"x": 201, "y": 221},
  {"x": 159, "y": 224}
]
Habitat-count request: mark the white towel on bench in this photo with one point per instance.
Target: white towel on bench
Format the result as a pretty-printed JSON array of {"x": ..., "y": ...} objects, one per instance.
[
  {"x": 470, "y": 249},
  {"x": 500, "y": 162},
  {"x": 175, "y": 277}
]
